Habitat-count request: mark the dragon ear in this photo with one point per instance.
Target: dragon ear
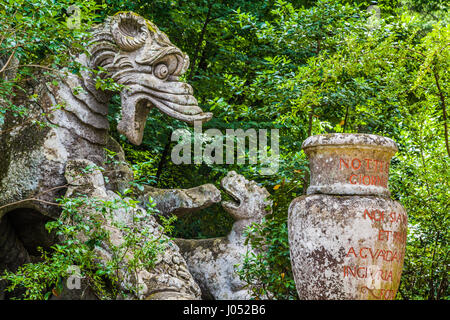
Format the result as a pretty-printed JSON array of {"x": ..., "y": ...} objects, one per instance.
[{"x": 129, "y": 31}]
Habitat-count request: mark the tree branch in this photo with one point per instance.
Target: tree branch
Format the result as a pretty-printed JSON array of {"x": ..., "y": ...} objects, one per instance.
[{"x": 8, "y": 61}]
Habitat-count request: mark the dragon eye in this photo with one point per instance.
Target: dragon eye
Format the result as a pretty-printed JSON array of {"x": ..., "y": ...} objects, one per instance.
[{"x": 161, "y": 71}]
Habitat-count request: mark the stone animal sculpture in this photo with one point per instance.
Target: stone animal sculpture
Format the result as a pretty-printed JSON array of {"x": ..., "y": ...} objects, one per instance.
[
  {"x": 33, "y": 159},
  {"x": 212, "y": 261}
]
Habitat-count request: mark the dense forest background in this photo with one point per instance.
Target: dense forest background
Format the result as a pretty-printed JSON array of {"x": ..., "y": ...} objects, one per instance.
[{"x": 303, "y": 67}]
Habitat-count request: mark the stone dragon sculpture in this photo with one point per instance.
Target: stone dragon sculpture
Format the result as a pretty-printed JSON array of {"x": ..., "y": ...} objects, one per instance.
[
  {"x": 213, "y": 262},
  {"x": 33, "y": 158},
  {"x": 37, "y": 163}
]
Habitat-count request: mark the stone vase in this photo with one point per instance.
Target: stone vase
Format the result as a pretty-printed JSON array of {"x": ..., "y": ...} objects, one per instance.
[{"x": 347, "y": 237}]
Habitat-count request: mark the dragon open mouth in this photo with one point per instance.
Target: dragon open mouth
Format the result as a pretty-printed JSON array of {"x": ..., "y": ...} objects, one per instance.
[
  {"x": 138, "y": 99},
  {"x": 232, "y": 204}
]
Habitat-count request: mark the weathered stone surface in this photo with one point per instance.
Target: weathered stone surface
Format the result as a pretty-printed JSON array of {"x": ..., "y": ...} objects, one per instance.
[
  {"x": 347, "y": 247},
  {"x": 181, "y": 201},
  {"x": 347, "y": 163},
  {"x": 118, "y": 172},
  {"x": 212, "y": 262},
  {"x": 170, "y": 278},
  {"x": 135, "y": 53},
  {"x": 250, "y": 201},
  {"x": 347, "y": 241},
  {"x": 11, "y": 69}
]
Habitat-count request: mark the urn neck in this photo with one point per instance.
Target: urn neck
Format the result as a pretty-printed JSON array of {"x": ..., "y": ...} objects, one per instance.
[{"x": 349, "y": 164}]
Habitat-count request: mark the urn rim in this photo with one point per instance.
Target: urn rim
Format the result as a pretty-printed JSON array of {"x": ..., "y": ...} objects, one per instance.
[{"x": 349, "y": 140}]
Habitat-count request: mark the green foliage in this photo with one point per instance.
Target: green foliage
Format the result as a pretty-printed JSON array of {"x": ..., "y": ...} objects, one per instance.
[
  {"x": 37, "y": 34},
  {"x": 303, "y": 67},
  {"x": 391, "y": 80},
  {"x": 420, "y": 181},
  {"x": 309, "y": 68},
  {"x": 267, "y": 270}
]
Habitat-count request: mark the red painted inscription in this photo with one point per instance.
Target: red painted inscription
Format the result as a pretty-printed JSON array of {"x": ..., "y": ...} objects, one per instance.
[
  {"x": 375, "y": 254},
  {"x": 373, "y": 171}
]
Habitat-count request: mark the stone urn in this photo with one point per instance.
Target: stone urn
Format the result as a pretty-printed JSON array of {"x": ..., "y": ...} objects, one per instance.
[{"x": 347, "y": 237}]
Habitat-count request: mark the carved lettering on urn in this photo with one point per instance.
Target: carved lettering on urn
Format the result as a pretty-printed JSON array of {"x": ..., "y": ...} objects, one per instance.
[{"x": 352, "y": 164}]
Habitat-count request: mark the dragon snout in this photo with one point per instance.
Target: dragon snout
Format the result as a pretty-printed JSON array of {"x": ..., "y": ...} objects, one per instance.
[{"x": 144, "y": 91}]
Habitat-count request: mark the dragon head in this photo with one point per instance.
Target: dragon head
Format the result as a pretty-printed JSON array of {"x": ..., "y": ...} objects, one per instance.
[
  {"x": 250, "y": 201},
  {"x": 136, "y": 54}
]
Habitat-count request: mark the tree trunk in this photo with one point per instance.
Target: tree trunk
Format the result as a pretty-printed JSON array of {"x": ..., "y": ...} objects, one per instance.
[
  {"x": 163, "y": 159},
  {"x": 200, "y": 41}
]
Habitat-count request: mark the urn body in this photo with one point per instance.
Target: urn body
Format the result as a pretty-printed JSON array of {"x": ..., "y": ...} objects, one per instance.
[{"x": 347, "y": 237}]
